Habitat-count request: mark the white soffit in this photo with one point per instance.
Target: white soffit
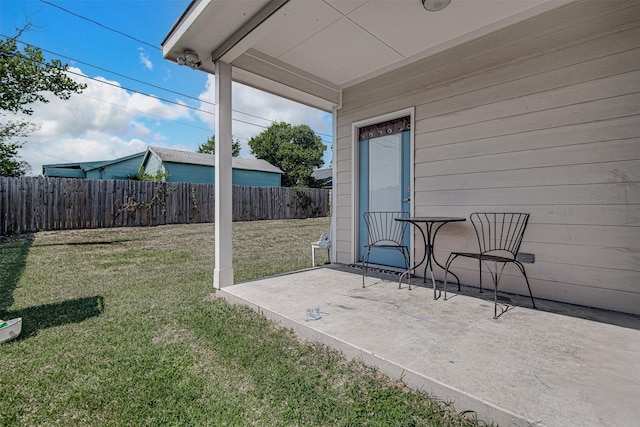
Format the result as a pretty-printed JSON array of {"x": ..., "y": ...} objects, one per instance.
[
  {"x": 353, "y": 52},
  {"x": 337, "y": 43},
  {"x": 387, "y": 21}
]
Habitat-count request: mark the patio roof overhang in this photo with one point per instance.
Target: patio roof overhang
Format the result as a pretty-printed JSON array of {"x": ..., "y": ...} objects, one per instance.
[{"x": 309, "y": 51}]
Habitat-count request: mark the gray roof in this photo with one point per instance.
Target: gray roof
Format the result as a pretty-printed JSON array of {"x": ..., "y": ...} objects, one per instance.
[
  {"x": 189, "y": 157},
  {"x": 322, "y": 174},
  {"x": 114, "y": 161},
  {"x": 87, "y": 166}
]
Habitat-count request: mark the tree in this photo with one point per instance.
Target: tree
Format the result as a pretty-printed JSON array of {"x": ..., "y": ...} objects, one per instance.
[
  {"x": 297, "y": 150},
  {"x": 25, "y": 78},
  {"x": 209, "y": 147},
  {"x": 10, "y": 165}
]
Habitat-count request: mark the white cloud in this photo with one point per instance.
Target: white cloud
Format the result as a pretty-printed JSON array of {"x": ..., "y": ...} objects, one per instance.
[
  {"x": 144, "y": 59},
  {"x": 103, "y": 123},
  {"x": 106, "y": 122},
  {"x": 262, "y": 108}
]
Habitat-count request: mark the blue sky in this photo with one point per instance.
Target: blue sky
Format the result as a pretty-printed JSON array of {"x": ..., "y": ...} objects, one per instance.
[{"x": 114, "y": 117}]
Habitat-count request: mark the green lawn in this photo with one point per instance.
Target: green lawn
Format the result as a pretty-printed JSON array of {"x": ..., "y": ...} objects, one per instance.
[{"x": 121, "y": 327}]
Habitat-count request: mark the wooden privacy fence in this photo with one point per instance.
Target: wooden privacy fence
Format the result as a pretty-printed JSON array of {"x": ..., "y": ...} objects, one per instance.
[{"x": 30, "y": 204}]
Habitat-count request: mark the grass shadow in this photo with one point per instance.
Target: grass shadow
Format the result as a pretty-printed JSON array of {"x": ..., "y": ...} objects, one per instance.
[
  {"x": 87, "y": 243},
  {"x": 48, "y": 315},
  {"x": 13, "y": 260}
]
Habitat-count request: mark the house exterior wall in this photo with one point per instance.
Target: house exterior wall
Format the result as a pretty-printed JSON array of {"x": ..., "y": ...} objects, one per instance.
[
  {"x": 62, "y": 172},
  {"x": 153, "y": 165},
  {"x": 255, "y": 178},
  {"x": 119, "y": 170},
  {"x": 182, "y": 172},
  {"x": 542, "y": 117}
]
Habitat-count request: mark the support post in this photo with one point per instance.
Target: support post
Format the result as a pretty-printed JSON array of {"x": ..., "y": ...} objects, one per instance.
[{"x": 223, "y": 272}]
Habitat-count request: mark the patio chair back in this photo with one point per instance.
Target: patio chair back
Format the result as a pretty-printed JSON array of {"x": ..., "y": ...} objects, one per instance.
[
  {"x": 384, "y": 232},
  {"x": 383, "y": 228},
  {"x": 500, "y": 233}
]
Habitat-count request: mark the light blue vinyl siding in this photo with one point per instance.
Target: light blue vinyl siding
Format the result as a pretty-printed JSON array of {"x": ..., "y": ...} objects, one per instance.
[
  {"x": 181, "y": 172},
  {"x": 63, "y": 172},
  {"x": 153, "y": 165},
  {"x": 256, "y": 178},
  {"x": 118, "y": 170}
]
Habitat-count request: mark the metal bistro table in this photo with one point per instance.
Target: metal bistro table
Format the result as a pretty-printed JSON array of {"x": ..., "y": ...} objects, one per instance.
[{"x": 429, "y": 237}]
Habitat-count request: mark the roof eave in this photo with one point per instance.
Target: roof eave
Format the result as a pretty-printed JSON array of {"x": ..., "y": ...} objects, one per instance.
[{"x": 249, "y": 67}]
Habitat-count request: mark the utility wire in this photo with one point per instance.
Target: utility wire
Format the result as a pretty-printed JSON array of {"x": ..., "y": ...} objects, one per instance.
[
  {"x": 152, "y": 96},
  {"x": 45, "y": 153},
  {"x": 157, "y": 87},
  {"x": 181, "y": 104},
  {"x": 143, "y": 112},
  {"x": 126, "y": 77},
  {"x": 99, "y": 24}
]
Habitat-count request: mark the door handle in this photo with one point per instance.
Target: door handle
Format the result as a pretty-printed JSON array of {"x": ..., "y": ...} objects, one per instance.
[{"x": 407, "y": 200}]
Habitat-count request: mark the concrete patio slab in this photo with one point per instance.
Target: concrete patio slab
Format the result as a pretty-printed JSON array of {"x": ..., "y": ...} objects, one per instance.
[{"x": 559, "y": 365}]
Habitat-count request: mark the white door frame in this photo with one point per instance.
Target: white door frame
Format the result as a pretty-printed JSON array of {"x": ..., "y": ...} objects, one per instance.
[{"x": 355, "y": 184}]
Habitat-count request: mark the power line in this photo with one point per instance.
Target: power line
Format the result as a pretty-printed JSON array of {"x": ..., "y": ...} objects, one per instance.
[
  {"x": 153, "y": 96},
  {"x": 141, "y": 93},
  {"x": 151, "y": 45},
  {"x": 157, "y": 87},
  {"x": 127, "y": 77},
  {"x": 121, "y": 75},
  {"x": 45, "y": 153},
  {"x": 99, "y": 24},
  {"x": 143, "y": 112},
  {"x": 140, "y": 81}
]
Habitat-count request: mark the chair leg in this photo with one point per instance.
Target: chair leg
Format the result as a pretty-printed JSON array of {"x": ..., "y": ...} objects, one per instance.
[
  {"x": 496, "y": 278},
  {"x": 407, "y": 260},
  {"x": 446, "y": 273},
  {"x": 495, "y": 301},
  {"x": 365, "y": 262},
  {"x": 480, "y": 270},
  {"x": 495, "y": 298},
  {"x": 521, "y": 267}
]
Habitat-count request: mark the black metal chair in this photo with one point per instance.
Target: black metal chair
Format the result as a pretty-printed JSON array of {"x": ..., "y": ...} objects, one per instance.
[
  {"x": 499, "y": 239},
  {"x": 384, "y": 233}
]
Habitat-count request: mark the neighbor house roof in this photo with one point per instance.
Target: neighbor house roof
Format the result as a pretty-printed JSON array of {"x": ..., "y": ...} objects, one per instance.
[
  {"x": 76, "y": 165},
  {"x": 189, "y": 157},
  {"x": 322, "y": 174},
  {"x": 325, "y": 176},
  {"x": 102, "y": 164}
]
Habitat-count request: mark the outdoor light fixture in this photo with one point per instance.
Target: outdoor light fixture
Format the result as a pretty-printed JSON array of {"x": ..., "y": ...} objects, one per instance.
[
  {"x": 435, "y": 5},
  {"x": 190, "y": 59}
]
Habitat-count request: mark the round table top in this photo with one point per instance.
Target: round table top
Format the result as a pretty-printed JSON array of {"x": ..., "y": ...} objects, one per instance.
[{"x": 432, "y": 219}]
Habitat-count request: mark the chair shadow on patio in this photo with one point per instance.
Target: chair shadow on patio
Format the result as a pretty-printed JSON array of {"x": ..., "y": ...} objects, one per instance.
[{"x": 508, "y": 301}]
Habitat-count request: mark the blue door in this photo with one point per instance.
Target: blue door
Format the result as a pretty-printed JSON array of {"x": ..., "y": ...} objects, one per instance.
[{"x": 384, "y": 183}]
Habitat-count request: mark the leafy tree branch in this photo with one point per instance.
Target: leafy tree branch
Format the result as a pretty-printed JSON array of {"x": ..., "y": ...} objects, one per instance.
[
  {"x": 209, "y": 147},
  {"x": 296, "y": 150},
  {"x": 25, "y": 78}
]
